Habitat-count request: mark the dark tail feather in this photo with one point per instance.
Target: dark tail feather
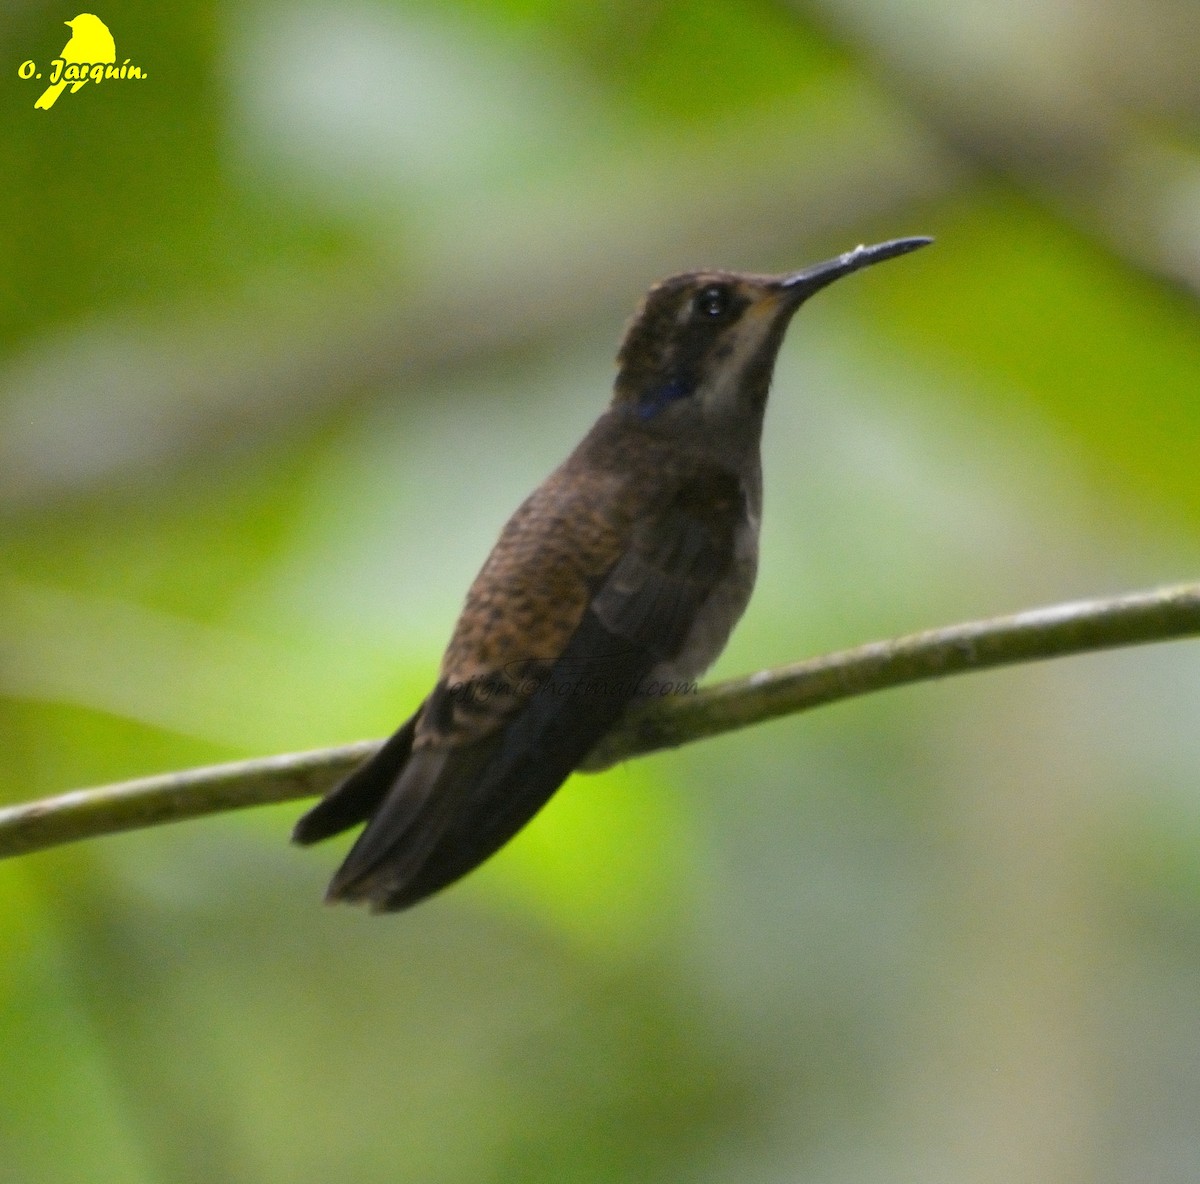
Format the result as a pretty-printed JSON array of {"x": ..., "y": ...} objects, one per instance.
[
  {"x": 356, "y": 798},
  {"x": 435, "y": 814},
  {"x": 483, "y": 798},
  {"x": 407, "y": 826}
]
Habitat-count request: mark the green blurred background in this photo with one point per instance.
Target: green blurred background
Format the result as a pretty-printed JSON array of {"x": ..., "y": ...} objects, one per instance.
[{"x": 286, "y": 331}]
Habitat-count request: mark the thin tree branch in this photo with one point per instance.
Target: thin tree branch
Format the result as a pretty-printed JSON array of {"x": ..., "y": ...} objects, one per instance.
[{"x": 1079, "y": 627}]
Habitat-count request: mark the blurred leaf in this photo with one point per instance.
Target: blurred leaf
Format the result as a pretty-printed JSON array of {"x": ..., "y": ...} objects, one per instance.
[{"x": 1107, "y": 357}]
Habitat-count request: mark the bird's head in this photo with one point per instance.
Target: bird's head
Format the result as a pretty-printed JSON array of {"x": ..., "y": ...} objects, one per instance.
[{"x": 702, "y": 346}]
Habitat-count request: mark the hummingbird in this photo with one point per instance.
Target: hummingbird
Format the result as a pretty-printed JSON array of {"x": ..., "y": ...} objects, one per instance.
[{"x": 622, "y": 574}]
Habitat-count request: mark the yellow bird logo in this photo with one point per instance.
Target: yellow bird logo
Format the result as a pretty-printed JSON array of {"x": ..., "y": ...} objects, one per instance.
[{"x": 91, "y": 44}]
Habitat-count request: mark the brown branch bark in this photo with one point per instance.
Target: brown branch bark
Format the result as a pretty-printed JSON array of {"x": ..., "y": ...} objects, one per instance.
[{"x": 1160, "y": 615}]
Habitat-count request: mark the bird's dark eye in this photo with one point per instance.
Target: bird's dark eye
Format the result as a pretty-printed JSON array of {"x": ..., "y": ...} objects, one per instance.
[{"x": 713, "y": 301}]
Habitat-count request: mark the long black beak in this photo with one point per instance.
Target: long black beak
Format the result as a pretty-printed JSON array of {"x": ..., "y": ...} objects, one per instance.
[{"x": 800, "y": 285}]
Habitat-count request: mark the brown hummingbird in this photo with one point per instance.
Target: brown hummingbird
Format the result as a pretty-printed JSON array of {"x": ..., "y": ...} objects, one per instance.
[{"x": 624, "y": 572}]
